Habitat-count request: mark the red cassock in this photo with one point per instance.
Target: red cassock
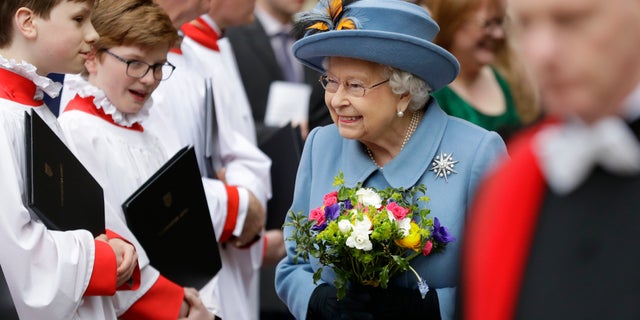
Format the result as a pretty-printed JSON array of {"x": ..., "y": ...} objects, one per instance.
[{"x": 499, "y": 234}]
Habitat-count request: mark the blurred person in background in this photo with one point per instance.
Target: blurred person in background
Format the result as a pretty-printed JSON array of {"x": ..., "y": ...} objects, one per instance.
[
  {"x": 553, "y": 231},
  {"x": 493, "y": 89}
]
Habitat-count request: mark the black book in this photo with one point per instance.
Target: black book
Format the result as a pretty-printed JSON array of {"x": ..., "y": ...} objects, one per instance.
[
  {"x": 60, "y": 190},
  {"x": 7, "y": 309},
  {"x": 169, "y": 215},
  {"x": 284, "y": 147}
]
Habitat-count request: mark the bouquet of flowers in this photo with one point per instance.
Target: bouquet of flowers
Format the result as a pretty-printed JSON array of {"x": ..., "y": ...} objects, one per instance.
[{"x": 368, "y": 235}]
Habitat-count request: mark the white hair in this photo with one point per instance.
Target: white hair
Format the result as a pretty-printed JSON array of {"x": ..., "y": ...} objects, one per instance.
[{"x": 402, "y": 82}]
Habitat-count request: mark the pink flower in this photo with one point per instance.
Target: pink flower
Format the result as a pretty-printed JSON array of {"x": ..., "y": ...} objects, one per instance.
[
  {"x": 427, "y": 248},
  {"x": 398, "y": 212},
  {"x": 330, "y": 198},
  {"x": 317, "y": 214}
]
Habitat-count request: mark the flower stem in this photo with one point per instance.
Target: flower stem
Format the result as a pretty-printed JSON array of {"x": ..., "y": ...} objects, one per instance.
[
  {"x": 415, "y": 273},
  {"x": 422, "y": 285}
]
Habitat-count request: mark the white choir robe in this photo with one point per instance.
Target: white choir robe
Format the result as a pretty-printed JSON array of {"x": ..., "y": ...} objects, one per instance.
[
  {"x": 121, "y": 160},
  {"x": 47, "y": 271},
  {"x": 178, "y": 118}
]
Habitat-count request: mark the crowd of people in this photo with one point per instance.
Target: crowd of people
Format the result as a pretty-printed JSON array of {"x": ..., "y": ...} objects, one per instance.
[{"x": 520, "y": 117}]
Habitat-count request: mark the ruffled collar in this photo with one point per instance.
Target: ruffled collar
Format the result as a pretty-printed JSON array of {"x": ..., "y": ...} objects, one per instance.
[
  {"x": 27, "y": 70},
  {"x": 85, "y": 89}
]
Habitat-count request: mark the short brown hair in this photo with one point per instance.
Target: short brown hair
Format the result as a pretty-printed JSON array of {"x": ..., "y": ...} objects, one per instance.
[
  {"x": 40, "y": 7},
  {"x": 140, "y": 23}
]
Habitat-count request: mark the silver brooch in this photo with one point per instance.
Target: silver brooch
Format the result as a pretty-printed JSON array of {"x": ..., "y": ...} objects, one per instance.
[{"x": 443, "y": 165}]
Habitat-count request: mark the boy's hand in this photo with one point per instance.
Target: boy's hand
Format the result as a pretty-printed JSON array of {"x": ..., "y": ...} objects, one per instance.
[
  {"x": 126, "y": 259},
  {"x": 197, "y": 310}
]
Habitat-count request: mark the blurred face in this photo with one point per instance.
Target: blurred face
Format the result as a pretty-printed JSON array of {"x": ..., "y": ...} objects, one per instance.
[
  {"x": 475, "y": 43},
  {"x": 372, "y": 117},
  {"x": 230, "y": 13},
  {"x": 128, "y": 94},
  {"x": 283, "y": 10},
  {"x": 584, "y": 53},
  {"x": 64, "y": 40},
  {"x": 183, "y": 11}
]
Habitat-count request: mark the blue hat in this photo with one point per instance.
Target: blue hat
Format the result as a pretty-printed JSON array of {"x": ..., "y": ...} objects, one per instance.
[{"x": 390, "y": 32}]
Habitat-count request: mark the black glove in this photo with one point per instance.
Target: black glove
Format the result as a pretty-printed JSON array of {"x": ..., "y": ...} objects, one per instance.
[
  {"x": 403, "y": 302},
  {"x": 324, "y": 304}
]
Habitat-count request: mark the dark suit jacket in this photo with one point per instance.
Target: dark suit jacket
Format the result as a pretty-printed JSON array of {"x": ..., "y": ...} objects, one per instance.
[{"x": 258, "y": 68}]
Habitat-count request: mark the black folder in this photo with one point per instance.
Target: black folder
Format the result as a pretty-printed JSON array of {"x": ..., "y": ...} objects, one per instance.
[
  {"x": 60, "y": 190},
  {"x": 170, "y": 217},
  {"x": 284, "y": 147},
  {"x": 7, "y": 309}
]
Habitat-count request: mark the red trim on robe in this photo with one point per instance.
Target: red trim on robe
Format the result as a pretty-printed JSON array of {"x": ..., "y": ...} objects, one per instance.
[
  {"x": 86, "y": 105},
  {"x": 201, "y": 32},
  {"x": 17, "y": 88},
  {"x": 233, "y": 205},
  {"x": 134, "y": 282},
  {"x": 162, "y": 301},
  {"x": 104, "y": 275},
  {"x": 499, "y": 235}
]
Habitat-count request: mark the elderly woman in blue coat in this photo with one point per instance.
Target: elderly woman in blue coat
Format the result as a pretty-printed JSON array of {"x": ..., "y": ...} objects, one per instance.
[{"x": 379, "y": 66}]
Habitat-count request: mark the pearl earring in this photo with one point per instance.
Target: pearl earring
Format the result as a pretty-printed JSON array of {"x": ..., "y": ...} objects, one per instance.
[{"x": 400, "y": 114}]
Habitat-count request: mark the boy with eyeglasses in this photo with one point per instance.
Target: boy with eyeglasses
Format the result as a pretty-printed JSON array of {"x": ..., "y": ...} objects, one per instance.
[{"x": 103, "y": 123}]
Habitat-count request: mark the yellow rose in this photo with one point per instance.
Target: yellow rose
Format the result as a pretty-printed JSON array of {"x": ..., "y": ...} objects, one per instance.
[{"x": 412, "y": 241}]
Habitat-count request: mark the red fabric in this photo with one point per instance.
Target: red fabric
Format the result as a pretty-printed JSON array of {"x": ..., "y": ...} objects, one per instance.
[
  {"x": 104, "y": 276},
  {"x": 134, "y": 282},
  {"x": 499, "y": 234},
  {"x": 86, "y": 105},
  {"x": 233, "y": 205},
  {"x": 162, "y": 301},
  {"x": 201, "y": 32},
  {"x": 17, "y": 88}
]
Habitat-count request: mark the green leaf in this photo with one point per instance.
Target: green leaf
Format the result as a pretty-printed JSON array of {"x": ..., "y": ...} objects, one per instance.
[{"x": 317, "y": 275}]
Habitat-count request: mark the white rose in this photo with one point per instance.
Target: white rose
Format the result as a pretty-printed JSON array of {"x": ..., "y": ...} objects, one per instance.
[
  {"x": 359, "y": 237},
  {"x": 359, "y": 240},
  {"x": 369, "y": 197},
  {"x": 404, "y": 225},
  {"x": 345, "y": 226}
]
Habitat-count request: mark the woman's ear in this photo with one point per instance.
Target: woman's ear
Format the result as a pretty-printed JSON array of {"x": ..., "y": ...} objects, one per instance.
[
  {"x": 25, "y": 23},
  {"x": 403, "y": 103}
]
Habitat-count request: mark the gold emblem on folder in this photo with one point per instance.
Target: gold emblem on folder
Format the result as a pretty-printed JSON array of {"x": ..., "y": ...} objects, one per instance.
[
  {"x": 47, "y": 170},
  {"x": 167, "y": 199},
  {"x": 173, "y": 222}
]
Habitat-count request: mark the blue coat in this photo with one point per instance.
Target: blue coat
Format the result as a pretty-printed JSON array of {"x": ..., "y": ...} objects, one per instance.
[{"x": 326, "y": 153}]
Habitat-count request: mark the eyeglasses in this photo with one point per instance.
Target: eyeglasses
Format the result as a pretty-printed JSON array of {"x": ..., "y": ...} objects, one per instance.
[
  {"x": 489, "y": 25},
  {"x": 138, "y": 69},
  {"x": 354, "y": 88}
]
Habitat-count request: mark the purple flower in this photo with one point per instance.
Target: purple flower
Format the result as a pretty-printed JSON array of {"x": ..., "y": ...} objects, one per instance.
[
  {"x": 319, "y": 227},
  {"x": 332, "y": 212},
  {"x": 440, "y": 233},
  {"x": 347, "y": 204}
]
